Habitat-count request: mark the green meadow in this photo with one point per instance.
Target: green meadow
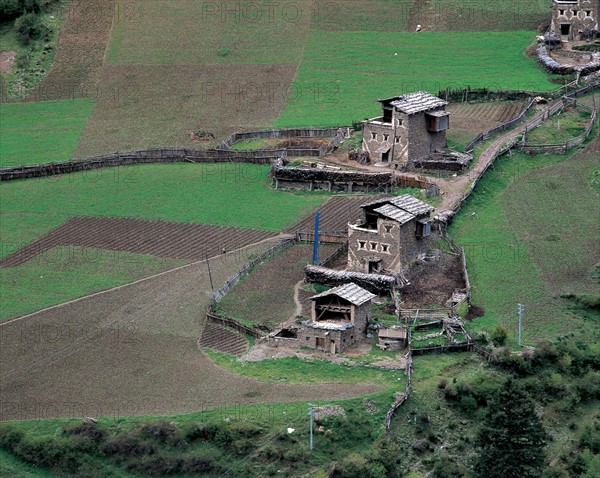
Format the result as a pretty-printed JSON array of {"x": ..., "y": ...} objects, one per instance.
[
  {"x": 343, "y": 73},
  {"x": 41, "y": 132}
]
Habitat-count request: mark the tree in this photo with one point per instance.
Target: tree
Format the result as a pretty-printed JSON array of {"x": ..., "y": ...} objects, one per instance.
[{"x": 511, "y": 439}]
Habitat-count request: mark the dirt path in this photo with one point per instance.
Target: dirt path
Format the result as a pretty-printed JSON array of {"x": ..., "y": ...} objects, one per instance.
[
  {"x": 454, "y": 188},
  {"x": 298, "y": 310}
]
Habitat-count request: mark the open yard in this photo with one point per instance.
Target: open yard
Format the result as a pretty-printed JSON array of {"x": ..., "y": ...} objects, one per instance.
[{"x": 517, "y": 232}]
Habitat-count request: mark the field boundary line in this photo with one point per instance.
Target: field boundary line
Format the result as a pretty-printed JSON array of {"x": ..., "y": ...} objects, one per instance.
[{"x": 137, "y": 281}]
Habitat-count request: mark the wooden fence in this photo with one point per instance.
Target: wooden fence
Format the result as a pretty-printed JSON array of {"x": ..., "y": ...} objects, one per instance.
[
  {"x": 332, "y": 257},
  {"x": 503, "y": 127},
  {"x": 213, "y": 316},
  {"x": 229, "y": 283},
  {"x": 159, "y": 155},
  {"x": 340, "y": 237},
  {"x": 561, "y": 147},
  {"x": 399, "y": 401},
  {"x": 280, "y": 133}
]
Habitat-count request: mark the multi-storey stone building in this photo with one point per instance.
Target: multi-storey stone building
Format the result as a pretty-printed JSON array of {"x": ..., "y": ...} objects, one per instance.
[
  {"x": 390, "y": 237},
  {"x": 410, "y": 128}
]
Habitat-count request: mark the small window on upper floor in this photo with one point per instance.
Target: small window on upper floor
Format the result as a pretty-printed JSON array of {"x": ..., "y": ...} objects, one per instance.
[
  {"x": 362, "y": 244},
  {"x": 373, "y": 246},
  {"x": 385, "y": 248},
  {"x": 588, "y": 13},
  {"x": 373, "y": 136},
  {"x": 561, "y": 12},
  {"x": 575, "y": 12},
  {"x": 399, "y": 122},
  {"x": 388, "y": 228},
  {"x": 397, "y": 139},
  {"x": 386, "y": 137}
]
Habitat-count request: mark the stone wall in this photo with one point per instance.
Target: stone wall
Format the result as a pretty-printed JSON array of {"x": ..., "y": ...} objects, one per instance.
[
  {"x": 343, "y": 339},
  {"x": 421, "y": 143},
  {"x": 358, "y": 258}
]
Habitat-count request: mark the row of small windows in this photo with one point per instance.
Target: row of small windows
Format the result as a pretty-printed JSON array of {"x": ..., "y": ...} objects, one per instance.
[
  {"x": 373, "y": 246},
  {"x": 386, "y": 137},
  {"x": 588, "y": 13}
]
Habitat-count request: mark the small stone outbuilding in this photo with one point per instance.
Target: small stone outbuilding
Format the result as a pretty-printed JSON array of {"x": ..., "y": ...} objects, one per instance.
[
  {"x": 574, "y": 20},
  {"x": 410, "y": 128},
  {"x": 392, "y": 339},
  {"x": 390, "y": 237},
  {"x": 338, "y": 317}
]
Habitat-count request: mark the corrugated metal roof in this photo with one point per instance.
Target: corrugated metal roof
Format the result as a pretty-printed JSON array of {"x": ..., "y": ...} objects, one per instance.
[
  {"x": 416, "y": 102},
  {"x": 411, "y": 204},
  {"x": 351, "y": 292},
  {"x": 395, "y": 213}
]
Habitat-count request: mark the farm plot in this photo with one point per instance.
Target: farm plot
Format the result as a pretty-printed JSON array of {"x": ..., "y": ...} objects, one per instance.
[
  {"x": 133, "y": 351},
  {"x": 352, "y": 69},
  {"x": 83, "y": 40},
  {"x": 220, "y": 194},
  {"x": 266, "y": 296},
  {"x": 163, "y": 239},
  {"x": 468, "y": 120},
  {"x": 41, "y": 132},
  {"x": 477, "y": 15}
]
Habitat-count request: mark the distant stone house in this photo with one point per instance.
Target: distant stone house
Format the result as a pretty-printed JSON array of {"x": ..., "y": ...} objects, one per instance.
[
  {"x": 573, "y": 19},
  {"x": 338, "y": 317},
  {"x": 410, "y": 128},
  {"x": 392, "y": 338},
  {"x": 390, "y": 237}
]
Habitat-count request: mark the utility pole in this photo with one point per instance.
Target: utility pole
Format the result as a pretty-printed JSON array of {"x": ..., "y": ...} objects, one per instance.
[
  {"x": 521, "y": 309},
  {"x": 210, "y": 278},
  {"x": 311, "y": 412}
]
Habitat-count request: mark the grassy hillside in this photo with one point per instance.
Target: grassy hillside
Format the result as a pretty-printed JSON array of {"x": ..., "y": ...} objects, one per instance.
[
  {"x": 41, "y": 132},
  {"x": 520, "y": 251}
]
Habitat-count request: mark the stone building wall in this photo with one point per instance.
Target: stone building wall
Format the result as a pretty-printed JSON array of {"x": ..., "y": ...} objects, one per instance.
[
  {"x": 422, "y": 142},
  {"x": 579, "y": 14},
  {"x": 307, "y": 336},
  {"x": 390, "y": 259}
]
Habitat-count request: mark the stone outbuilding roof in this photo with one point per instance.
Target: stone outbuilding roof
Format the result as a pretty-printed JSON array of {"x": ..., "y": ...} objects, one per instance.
[
  {"x": 399, "y": 206},
  {"x": 351, "y": 292},
  {"x": 412, "y": 103}
]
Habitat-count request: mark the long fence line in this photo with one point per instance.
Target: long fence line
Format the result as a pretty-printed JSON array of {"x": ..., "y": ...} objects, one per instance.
[
  {"x": 280, "y": 133},
  {"x": 561, "y": 147},
  {"x": 399, "y": 400}
]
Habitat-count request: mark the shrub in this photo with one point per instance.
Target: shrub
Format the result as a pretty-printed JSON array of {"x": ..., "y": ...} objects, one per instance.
[
  {"x": 28, "y": 27},
  {"x": 162, "y": 432},
  {"x": 443, "y": 383},
  {"x": 87, "y": 430},
  {"x": 468, "y": 404},
  {"x": 126, "y": 446},
  {"x": 499, "y": 335}
]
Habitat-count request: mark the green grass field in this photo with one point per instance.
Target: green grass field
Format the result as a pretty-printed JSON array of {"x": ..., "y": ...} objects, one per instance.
[
  {"x": 65, "y": 273},
  {"x": 229, "y": 195},
  {"x": 560, "y": 128},
  {"x": 342, "y": 74},
  {"x": 41, "y": 132},
  {"x": 519, "y": 251}
]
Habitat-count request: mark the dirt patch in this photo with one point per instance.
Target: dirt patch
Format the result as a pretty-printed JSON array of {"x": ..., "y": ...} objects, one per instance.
[
  {"x": 336, "y": 213},
  {"x": 266, "y": 296},
  {"x": 222, "y": 339},
  {"x": 7, "y": 59},
  {"x": 132, "y": 351},
  {"x": 469, "y": 120},
  {"x": 176, "y": 240},
  {"x": 141, "y": 106},
  {"x": 302, "y": 143},
  {"x": 433, "y": 283}
]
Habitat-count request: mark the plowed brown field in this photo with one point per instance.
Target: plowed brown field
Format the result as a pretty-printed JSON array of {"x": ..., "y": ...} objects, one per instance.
[{"x": 176, "y": 240}]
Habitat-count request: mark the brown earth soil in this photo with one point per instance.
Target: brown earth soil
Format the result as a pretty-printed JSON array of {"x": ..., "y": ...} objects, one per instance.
[
  {"x": 176, "y": 240},
  {"x": 133, "y": 351},
  {"x": 433, "y": 283},
  {"x": 7, "y": 59},
  {"x": 336, "y": 213},
  {"x": 472, "y": 119},
  {"x": 223, "y": 339},
  {"x": 84, "y": 37},
  {"x": 266, "y": 296}
]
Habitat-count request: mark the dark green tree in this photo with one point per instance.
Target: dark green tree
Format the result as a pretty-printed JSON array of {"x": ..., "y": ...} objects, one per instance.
[{"x": 512, "y": 438}]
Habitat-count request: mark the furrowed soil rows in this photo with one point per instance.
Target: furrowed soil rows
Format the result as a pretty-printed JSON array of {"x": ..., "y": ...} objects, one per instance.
[
  {"x": 223, "y": 339},
  {"x": 134, "y": 351},
  {"x": 336, "y": 213},
  {"x": 175, "y": 240}
]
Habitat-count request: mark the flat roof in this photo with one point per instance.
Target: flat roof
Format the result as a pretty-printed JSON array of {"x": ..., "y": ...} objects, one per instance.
[
  {"x": 417, "y": 102},
  {"x": 351, "y": 292}
]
